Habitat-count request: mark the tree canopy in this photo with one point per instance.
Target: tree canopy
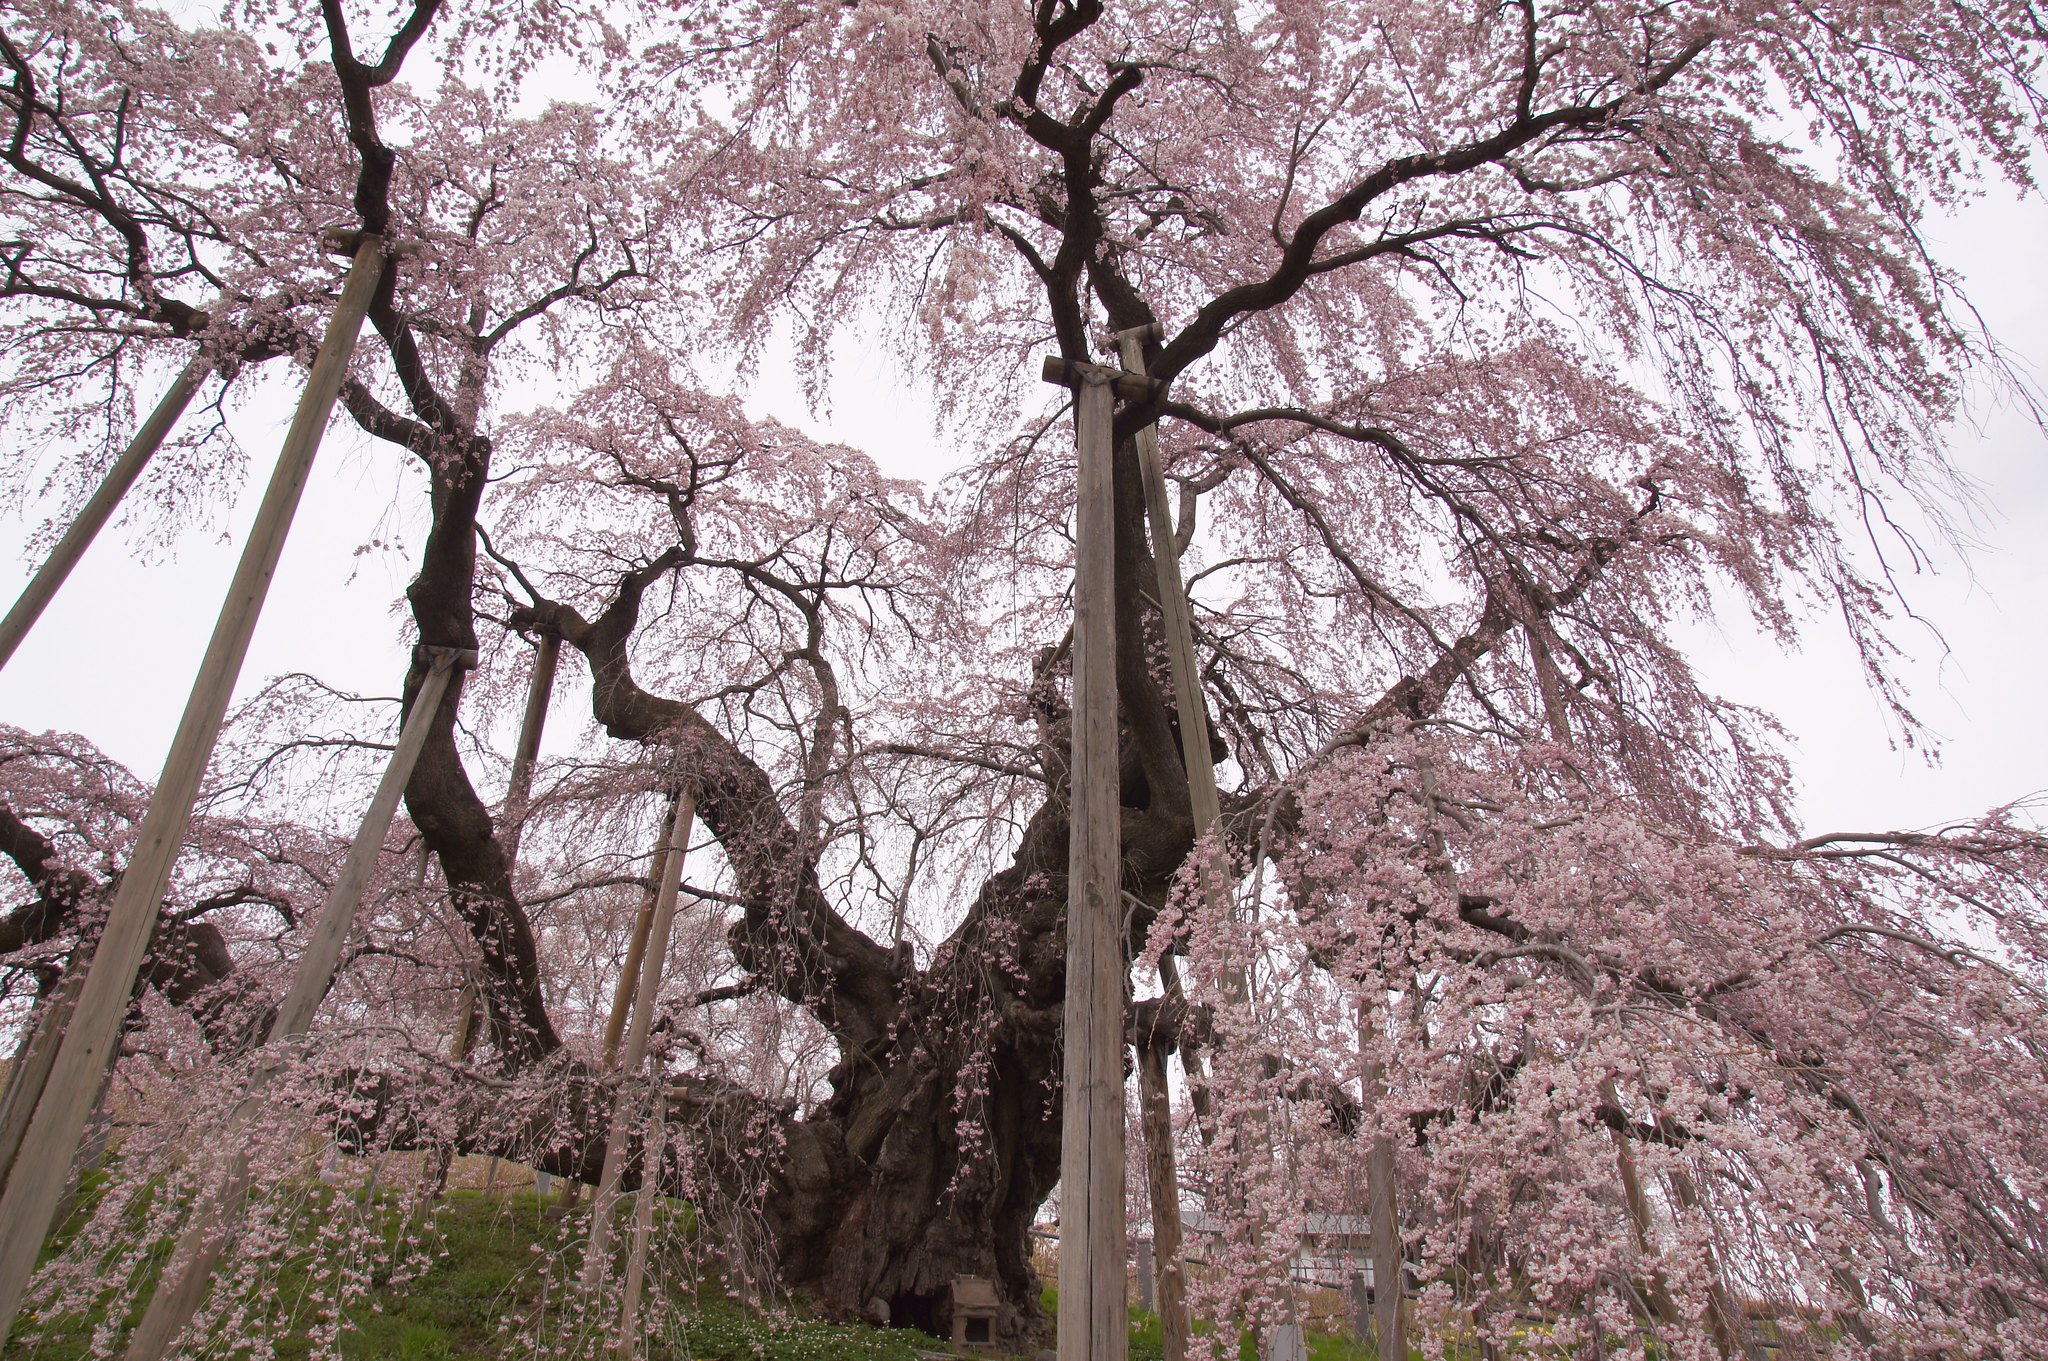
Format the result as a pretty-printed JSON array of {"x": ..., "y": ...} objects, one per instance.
[{"x": 1495, "y": 344}]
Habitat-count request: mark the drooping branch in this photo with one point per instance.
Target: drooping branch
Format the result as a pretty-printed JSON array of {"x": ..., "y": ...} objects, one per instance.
[{"x": 787, "y": 933}]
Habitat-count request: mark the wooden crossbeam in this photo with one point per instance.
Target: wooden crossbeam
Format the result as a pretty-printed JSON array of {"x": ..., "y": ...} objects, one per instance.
[
  {"x": 1068, "y": 373},
  {"x": 41, "y": 1168}
]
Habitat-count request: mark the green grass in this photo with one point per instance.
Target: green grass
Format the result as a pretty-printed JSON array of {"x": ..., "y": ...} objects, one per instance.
[
  {"x": 486, "y": 1271},
  {"x": 1147, "y": 1342},
  {"x": 448, "y": 1313}
]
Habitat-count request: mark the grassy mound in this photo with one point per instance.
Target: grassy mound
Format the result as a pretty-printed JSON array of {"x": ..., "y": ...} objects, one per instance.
[
  {"x": 489, "y": 1280},
  {"x": 497, "y": 1268}
]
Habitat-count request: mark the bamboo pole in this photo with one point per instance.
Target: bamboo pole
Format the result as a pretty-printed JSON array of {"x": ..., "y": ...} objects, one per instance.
[
  {"x": 89, "y": 1042},
  {"x": 643, "y": 1223},
  {"x": 1092, "y": 1319},
  {"x": 636, "y": 1042},
  {"x": 215, "y": 1220},
  {"x": 99, "y": 508}
]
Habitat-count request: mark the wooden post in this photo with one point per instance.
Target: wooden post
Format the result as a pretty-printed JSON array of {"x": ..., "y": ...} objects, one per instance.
[
  {"x": 1093, "y": 1325},
  {"x": 1189, "y": 706},
  {"x": 643, "y": 1222},
  {"x": 99, "y": 508},
  {"x": 89, "y": 1042},
  {"x": 1162, "y": 1176},
  {"x": 1387, "y": 1270},
  {"x": 636, "y": 1042},
  {"x": 636, "y": 947},
  {"x": 1733, "y": 1337},
  {"x": 467, "y": 1003},
  {"x": 214, "y": 1221},
  {"x": 337, "y": 916},
  {"x": 540, "y": 687},
  {"x": 627, "y": 988},
  {"x": 30, "y": 1069},
  {"x": 1163, "y": 1183},
  {"x": 519, "y": 789},
  {"x": 1383, "y": 1199}
]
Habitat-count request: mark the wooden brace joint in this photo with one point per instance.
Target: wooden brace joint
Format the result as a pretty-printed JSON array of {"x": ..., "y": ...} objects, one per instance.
[
  {"x": 346, "y": 240},
  {"x": 1130, "y": 386},
  {"x": 442, "y": 658},
  {"x": 1151, "y": 330}
]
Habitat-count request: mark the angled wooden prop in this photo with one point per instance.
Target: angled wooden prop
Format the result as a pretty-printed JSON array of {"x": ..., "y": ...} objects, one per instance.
[
  {"x": 31, "y": 1066},
  {"x": 540, "y": 687},
  {"x": 215, "y": 1219},
  {"x": 99, "y": 508},
  {"x": 1162, "y": 1179},
  {"x": 636, "y": 949},
  {"x": 635, "y": 1056},
  {"x": 89, "y": 1042},
  {"x": 1093, "y": 1322},
  {"x": 643, "y": 1223}
]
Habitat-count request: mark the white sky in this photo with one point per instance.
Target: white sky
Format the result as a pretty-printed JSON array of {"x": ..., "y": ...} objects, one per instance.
[{"x": 114, "y": 656}]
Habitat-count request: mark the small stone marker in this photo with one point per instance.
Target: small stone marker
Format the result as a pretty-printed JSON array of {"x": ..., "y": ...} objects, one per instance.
[{"x": 1284, "y": 1342}]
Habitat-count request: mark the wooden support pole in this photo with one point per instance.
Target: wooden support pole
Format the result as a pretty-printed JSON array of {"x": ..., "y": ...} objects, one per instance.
[
  {"x": 636, "y": 947},
  {"x": 643, "y": 1223},
  {"x": 316, "y": 968},
  {"x": 1162, "y": 1181},
  {"x": 1188, "y": 703},
  {"x": 540, "y": 687},
  {"x": 644, "y": 996},
  {"x": 99, "y": 508},
  {"x": 1093, "y": 1324},
  {"x": 1382, "y": 1188},
  {"x": 31, "y": 1066},
  {"x": 1733, "y": 1336},
  {"x": 1388, "y": 1273},
  {"x": 1162, "y": 1177},
  {"x": 89, "y": 1042},
  {"x": 1662, "y": 1308},
  {"x": 215, "y": 1220},
  {"x": 519, "y": 789}
]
